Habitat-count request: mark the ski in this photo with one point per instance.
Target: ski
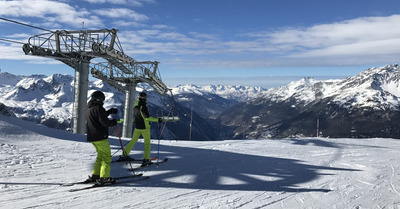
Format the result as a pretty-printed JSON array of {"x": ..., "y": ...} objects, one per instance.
[
  {"x": 153, "y": 164},
  {"x": 106, "y": 185},
  {"x": 159, "y": 162},
  {"x": 153, "y": 160},
  {"x": 74, "y": 183},
  {"x": 117, "y": 178},
  {"x": 132, "y": 160},
  {"x": 170, "y": 119}
]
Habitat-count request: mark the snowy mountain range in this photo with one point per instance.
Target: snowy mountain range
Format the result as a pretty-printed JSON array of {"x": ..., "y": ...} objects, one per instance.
[
  {"x": 365, "y": 105},
  {"x": 48, "y": 100}
]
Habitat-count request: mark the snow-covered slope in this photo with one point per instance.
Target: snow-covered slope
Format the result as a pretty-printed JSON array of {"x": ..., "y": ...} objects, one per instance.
[
  {"x": 231, "y": 92},
  {"x": 209, "y": 101},
  {"x": 9, "y": 79},
  {"x": 373, "y": 87},
  {"x": 291, "y": 173},
  {"x": 39, "y": 98}
]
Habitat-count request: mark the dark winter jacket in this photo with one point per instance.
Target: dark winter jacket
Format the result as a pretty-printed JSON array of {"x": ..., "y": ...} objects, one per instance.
[
  {"x": 142, "y": 116},
  {"x": 97, "y": 121}
]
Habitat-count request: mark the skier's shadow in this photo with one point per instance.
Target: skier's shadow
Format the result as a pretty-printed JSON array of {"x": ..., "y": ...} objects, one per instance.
[{"x": 196, "y": 168}]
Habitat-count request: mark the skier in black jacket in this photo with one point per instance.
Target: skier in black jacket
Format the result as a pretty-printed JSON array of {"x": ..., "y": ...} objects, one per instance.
[{"x": 97, "y": 133}]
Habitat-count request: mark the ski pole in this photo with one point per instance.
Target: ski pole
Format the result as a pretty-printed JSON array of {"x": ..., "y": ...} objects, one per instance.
[
  {"x": 119, "y": 149},
  {"x": 120, "y": 141},
  {"x": 158, "y": 147},
  {"x": 123, "y": 149},
  {"x": 122, "y": 145}
]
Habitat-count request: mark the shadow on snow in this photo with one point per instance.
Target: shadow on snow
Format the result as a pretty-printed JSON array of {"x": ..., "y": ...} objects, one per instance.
[{"x": 195, "y": 168}]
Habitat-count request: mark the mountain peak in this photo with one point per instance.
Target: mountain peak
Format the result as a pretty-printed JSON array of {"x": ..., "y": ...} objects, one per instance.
[{"x": 364, "y": 105}]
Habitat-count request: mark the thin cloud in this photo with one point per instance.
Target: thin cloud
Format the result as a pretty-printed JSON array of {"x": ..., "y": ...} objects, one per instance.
[
  {"x": 346, "y": 37},
  {"x": 158, "y": 27},
  {"x": 351, "y": 37},
  {"x": 137, "y": 3},
  {"x": 13, "y": 52},
  {"x": 50, "y": 12},
  {"x": 206, "y": 36},
  {"x": 106, "y": 1},
  {"x": 121, "y": 13},
  {"x": 124, "y": 23},
  {"x": 389, "y": 46}
]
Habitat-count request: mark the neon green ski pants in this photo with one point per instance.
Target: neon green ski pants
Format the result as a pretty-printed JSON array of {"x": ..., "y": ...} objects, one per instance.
[
  {"x": 102, "y": 166},
  {"x": 135, "y": 137}
]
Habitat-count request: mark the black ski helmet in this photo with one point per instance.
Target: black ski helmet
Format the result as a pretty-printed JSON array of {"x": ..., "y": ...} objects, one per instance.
[
  {"x": 142, "y": 95},
  {"x": 98, "y": 95}
]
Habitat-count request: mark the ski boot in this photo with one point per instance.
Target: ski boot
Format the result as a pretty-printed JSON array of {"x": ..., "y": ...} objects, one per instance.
[
  {"x": 124, "y": 158},
  {"x": 146, "y": 162},
  {"x": 92, "y": 178},
  {"x": 105, "y": 181}
]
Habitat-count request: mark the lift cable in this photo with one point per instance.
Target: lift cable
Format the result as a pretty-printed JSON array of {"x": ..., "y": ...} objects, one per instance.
[
  {"x": 32, "y": 26},
  {"x": 20, "y": 23},
  {"x": 12, "y": 41}
]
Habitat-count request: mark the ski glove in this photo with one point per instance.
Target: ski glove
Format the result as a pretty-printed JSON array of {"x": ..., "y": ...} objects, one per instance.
[
  {"x": 159, "y": 120},
  {"x": 112, "y": 111},
  {"x": 113, "y": 122}
]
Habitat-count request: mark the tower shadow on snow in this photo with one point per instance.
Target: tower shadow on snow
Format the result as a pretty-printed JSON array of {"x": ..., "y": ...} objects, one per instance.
[{"x": 196, "y": 168}]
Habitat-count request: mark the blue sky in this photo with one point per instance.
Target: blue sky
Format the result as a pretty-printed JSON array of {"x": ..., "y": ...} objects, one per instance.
[{"x": 218, "y": 38}]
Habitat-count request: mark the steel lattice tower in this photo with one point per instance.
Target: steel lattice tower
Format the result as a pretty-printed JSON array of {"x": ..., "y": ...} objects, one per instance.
[{"x": 78, "y": 48}]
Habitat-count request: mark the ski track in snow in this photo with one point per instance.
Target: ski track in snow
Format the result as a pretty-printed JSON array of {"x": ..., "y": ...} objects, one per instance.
[{"x": 289, "y": 173}]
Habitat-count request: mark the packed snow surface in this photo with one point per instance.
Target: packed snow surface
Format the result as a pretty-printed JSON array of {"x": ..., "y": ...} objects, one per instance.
[{"x": 289, "y": 173}]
